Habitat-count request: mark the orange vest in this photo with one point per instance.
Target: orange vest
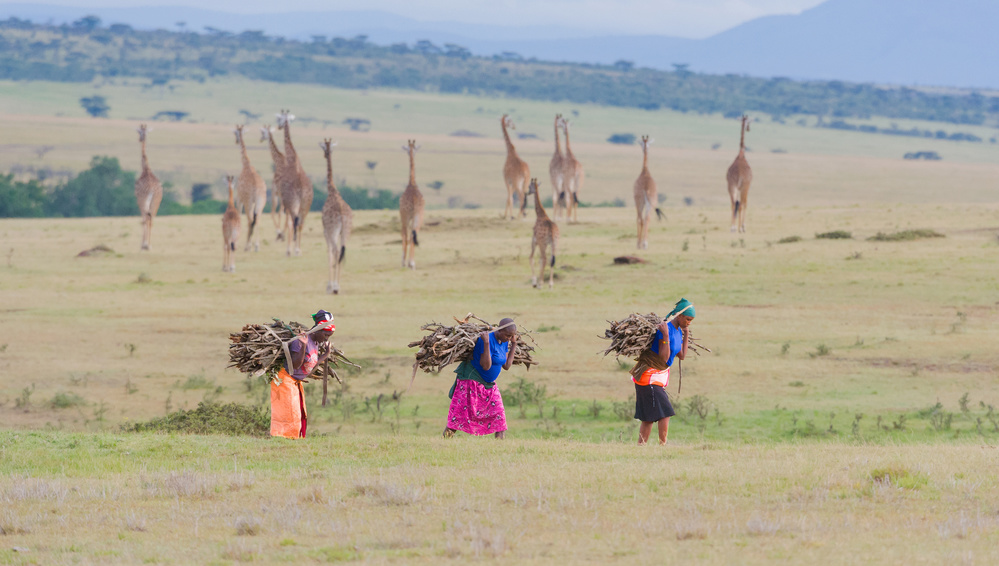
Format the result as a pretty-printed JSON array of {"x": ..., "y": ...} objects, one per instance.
[{"x": 653, "y": 376}]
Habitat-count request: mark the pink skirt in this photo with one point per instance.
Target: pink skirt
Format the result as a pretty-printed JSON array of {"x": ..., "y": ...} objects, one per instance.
[{"x": 475, "y": 409}]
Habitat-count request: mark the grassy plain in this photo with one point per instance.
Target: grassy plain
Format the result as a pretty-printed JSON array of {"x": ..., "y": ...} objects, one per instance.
[
  {"x": 807, "y": 336},
  {"x": 112, "y": 499}
]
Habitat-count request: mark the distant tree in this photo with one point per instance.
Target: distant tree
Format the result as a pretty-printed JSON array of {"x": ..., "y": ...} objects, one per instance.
[
  {"x": 622, "y": 65},
  {"x": 87, "y": 23},
  {"x": 21, "y": 200},
  {"x": 102, "y": 190},
  {"x": 426, "y": 47},
  {"x": 358, "y": 124},
  {"x": 436, "y": 185},
  {"x": 96, "y": 106},
  {"x": 453, "y": 50},
  {"x": 623, "y": 139},
  {"x": 371, "y": 164},
  {"x": 172, "y": 115},
  {"x": 200, "y": 192},
  {"x": 682, "y": 69}
]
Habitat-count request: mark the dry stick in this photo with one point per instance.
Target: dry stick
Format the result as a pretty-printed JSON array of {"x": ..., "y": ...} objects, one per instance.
[
  {"x": 326, "y": 378},
  {"x": 446, "y": 344}
]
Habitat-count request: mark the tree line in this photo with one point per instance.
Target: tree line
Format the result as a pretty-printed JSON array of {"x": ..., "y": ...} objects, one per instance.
[
  {"x": 105, "y": 189},
  {"x": 86, "y": 49}
]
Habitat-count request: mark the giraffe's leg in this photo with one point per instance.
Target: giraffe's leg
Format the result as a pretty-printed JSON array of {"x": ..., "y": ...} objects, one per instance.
[
  {"x": 332, "y": 257},
  {"x": 638, "y": 223},
  {"x": 742, "y": 213},
  {"x": 405, "y": 243},
  {"x": 338, "y": 257},
  {"x": 543, "y": 249},
  {"x": 249, "y": 232},
  {"x": 551, "y": 276},
  {"x": 645, "y": 230},
  {"x": 534, "y": 279},
  {"x": 298, "y": 236},
  {"x": 508, "y": 213}
]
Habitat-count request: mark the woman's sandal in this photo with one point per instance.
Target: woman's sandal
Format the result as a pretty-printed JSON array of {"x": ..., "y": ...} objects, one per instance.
[{"x": 448, "y": 433}]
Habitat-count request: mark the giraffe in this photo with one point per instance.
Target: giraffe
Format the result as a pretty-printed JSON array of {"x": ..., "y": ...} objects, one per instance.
[
  {"x": 646, "y": 197},
  {"x": 296, "y": 187},
  {"x": 555, "y": 167},
  {"x": 516, "y": 173},
  {"x": 739, "y": 177},
  {"x": 148, "y": 192},
  {"x": 251, "y": 190},
  {"x": 545, "y": 234},
  {"x": 278, "y": 212},
  {"x": 230, "y": 231},
  {"x": 338, "y": 219},
  {"x": 573, "y": 178},
  {"x": 411, "y": 210}
]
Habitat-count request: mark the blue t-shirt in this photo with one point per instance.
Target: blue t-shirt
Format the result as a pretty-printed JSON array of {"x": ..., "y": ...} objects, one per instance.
[
  {"x": 497, "y": 351},
  {"x": 675, "y": 342}
]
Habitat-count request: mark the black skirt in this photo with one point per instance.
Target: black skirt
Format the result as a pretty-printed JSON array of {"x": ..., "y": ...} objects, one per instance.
[{"x": 652, "y": 403}]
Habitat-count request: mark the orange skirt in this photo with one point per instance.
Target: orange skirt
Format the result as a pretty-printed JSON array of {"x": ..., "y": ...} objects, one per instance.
[{"x": 288, "y": 415}]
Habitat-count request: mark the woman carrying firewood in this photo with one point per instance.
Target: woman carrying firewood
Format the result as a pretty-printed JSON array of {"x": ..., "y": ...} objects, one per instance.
[
  {"x": 651, "y": 373},
  {"x": 288, "y": 415},
  {"x": 476, "y": 404}
]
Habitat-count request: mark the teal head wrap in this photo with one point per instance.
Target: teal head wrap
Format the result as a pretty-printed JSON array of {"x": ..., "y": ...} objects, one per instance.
[{"x": 683, "y": 307}]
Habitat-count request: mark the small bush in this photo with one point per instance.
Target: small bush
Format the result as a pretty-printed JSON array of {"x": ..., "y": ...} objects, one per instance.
[
  {"x": 834, "y": 235},
  {"x": 789, "y": 240},
  {"x": 210, "y": 418},
  {"x": 820, "y": 350},
  {"x": 905, "y": 235},
  {"x": 66, "y": 400},
  {"x": 899, "y": 477}
]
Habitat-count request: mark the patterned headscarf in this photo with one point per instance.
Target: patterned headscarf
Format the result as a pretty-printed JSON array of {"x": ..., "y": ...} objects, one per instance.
[{"x": 322, "y": 316}]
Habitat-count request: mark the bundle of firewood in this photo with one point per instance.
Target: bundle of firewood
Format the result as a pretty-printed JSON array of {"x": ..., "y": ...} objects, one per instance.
[
  {"x": 257, "y": 349},
  {"x": 446, "y": 344},
  {"x": 631, "y": 336}
]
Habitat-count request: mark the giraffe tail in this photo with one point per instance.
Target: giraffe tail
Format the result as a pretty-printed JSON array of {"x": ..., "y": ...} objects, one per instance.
[
  {"x": 232, "y": 246},
  {"x": 553, "y": 261},
  {"x": 575, "y": 199},
  {"x": 659, "y": 213},
  {"x": 737, "y": 204},
  {"x": 416, "y": 242},
  {"x": 343, "y": 253}
]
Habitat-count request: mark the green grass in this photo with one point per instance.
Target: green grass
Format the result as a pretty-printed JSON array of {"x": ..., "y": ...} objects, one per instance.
[{"x": 381, "y": 499}]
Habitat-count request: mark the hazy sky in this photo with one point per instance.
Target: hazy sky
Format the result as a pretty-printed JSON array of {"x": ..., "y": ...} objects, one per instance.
[{"x": 682, "y": 18}]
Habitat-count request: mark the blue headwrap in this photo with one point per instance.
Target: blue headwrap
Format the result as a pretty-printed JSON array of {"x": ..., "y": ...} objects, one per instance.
[{"x": 684, "y": 307}]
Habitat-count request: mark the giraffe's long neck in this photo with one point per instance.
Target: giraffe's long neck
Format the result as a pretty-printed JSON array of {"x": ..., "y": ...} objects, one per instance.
[
  {"x": 276, "y": 154},
  {"x": 568, "y": 149},
  {"x": 645, "y": 158},
  {"x": 742, "y": 138},
  {"x": 539, "y": 210},
  {"x": 289, "y": 149},
  {"x": 242, "y": 151},
  {"x": 558, "y": 143},
  {"x": 506, "y": 137},
  {"x": 330, "y": 185},
  {"x": 145, "y": 160},
  {"x": 232, "y": 203},
  {"x": 412, "y": 168}
]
